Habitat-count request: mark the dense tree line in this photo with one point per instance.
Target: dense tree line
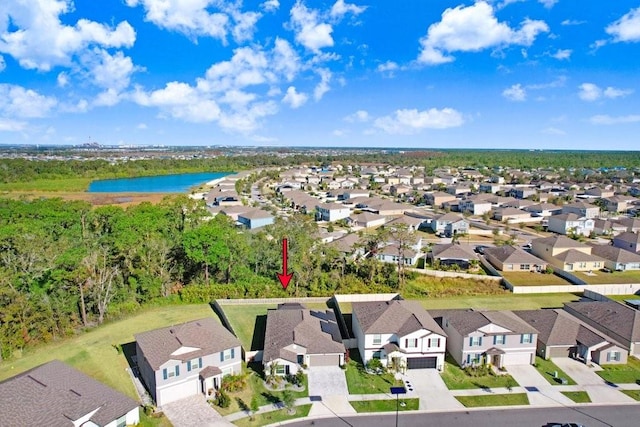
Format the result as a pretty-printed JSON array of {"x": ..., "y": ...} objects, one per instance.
[{"x": 65, "y": 266}]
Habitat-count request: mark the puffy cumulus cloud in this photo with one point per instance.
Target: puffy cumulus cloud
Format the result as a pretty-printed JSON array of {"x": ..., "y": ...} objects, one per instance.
[
  {"x": 294, "y": 98},
  {"x": 285, "y": 59},
  {"x": 471, "y": 29},
  {"x": 18, "y": 102},
  {"x": 109, "y": 71},
  {"x": 195, "y": 18},
  {"x": 412, "y": 121},
  {"x": 515, "y": 93},
  {"x": 323, "y": 86},
  {"x": 627, "y": 28},
  {"x": 309, "y": 29},
  {"x": 388, "y": 69},
  {"x": 63, "y": 79},
  {"x": 605, "y": 119},
  {"x": 32, "y": 32},
  {"x": 361, "y": 116},
  {"x": 592, "y": 92},
  {"x": 270, "y": 5},
  {"x": 340, "y": 9},
  {"x": 562, "y": 54},
  {"x": 9, "y": 125}
]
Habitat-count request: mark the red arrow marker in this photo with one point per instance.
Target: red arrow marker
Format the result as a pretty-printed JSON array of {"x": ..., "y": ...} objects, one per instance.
[{"x": 284, "y": 277}]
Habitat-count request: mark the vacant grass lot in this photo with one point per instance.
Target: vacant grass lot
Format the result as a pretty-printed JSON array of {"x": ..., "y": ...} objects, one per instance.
[
  {"x": 600, "y": 277},
  {"x": 457, "y": 379},
  {"x": 500, "y": 302},
  {"x": 93, "y": 352},
  {"x": 385, "y": 405},
  {"x": 528, "y": 278},
  {"x": 273, "y": 417},
  {"x": 577, "y": 396},
  {"x": 622, "y": 374},
  {"x": 67, "y": 184},
  {"x": 494, "y": 400},
  {"x": 434, "y": 287},
  {"x": 547, "y": 369}
]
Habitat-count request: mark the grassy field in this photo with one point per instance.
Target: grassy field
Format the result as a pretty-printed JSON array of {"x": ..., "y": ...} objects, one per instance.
[
  {"x": 600, "y": 277},
  {"x": 500, "y": 302},
  {"x": 96, "y": 199},
  {"x": 385, "y": 405},
  {"x": 93, "y": 352},
  {"x": 147, "y": 421},
  {"x": 457, "y": 379},
  {"x": 634, "y": 394},
  {"x": 547, "y": 369},
  {"x": 56, "y": 185},
  {"x": 431, "y": 287},
  {"x": 622, "y": 374},
  {"x": 528, "y": 278},
  {"x": 494, "y": 400},
  {"x": 273, "y": 417},
  {"x": 577, "y": 396}
]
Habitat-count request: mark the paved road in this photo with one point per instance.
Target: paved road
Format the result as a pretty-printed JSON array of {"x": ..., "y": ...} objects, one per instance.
[{"x": 591, "y": 416}]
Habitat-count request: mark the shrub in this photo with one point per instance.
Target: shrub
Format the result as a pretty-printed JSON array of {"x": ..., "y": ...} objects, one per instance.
[
  {"x": 374, "y": 364},
  {"x": 233, "y": 383},
  {"x": 222, "y": 399}
]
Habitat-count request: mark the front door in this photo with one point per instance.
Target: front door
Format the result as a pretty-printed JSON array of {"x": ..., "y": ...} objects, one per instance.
[{"x": 497, "y": 361}]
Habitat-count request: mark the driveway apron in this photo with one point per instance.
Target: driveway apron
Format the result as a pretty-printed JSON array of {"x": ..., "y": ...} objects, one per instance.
[
  {"x": 427, "y": 385},
  {"x": 193, "y": 411},
  {"x": 328, "y": 390}
]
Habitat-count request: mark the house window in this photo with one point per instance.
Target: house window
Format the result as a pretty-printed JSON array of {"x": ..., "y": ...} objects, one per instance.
[
  {"x": 194, "y": 364},
  {"x": 526, "y": 338},
  {"x": 227, "y": 354},
  {"x": 613, "y": 356},
  {"x": 525, "y": 267},
  {"x": 499, "y": 339},
  {"x": 473, "y": 358},
  {"x": 434, "y": 342},
  {"x": 377, "y": 355},
  {"x": 280, "y": 369},
  {"x": 411, "y": 343},
  {"x": 170, "y": 373},
  {"x": 122, "y": 421},
  {"x": 475, "y": 341},
  {"x": 377, "y": 339}
]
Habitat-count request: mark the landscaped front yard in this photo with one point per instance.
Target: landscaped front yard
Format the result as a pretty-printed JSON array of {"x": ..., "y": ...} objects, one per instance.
[
  {"x": 547, "y": 369},
  {"x": 360, "y": 382},
  {"x": 622, "y": 374},
  {"x": 385, "y": 405},
  {"x": 494, "y": 400},
  {"x": 273, "y": 417},
  {"x": 457, "y": 379}
]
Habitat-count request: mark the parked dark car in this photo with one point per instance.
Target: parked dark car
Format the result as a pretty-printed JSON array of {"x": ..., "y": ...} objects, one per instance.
[{"x": 480, "y": 249}]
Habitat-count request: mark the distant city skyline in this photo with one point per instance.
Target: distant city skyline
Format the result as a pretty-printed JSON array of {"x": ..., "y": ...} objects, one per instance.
[{"x": 517, "y": 74}]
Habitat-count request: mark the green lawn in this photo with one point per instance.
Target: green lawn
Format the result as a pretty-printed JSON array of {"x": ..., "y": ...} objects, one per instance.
[
  {"x": 577, "y": 396},
  {"x": 500, "y": 302},
  {"x": 457, "y": 379},
  {"x": 273, "y": 417},
  {"x": 93, "y": 353},
  {"x": 621, "y": 298},
  {"x": 547, "y": 369},
  {"x": 494, "y": 400},
  {"x": 385, "y": 405},
  {"x": 528, "y": 278},
  {"x": 67, "y": 184},
  {"x": 359, "y": 382},
  {"x": 617, "y": 374},
  {"x": 634, "y": 394},
  {"x": 147, "y": 421},
  {"x": 631, "y": 276}
]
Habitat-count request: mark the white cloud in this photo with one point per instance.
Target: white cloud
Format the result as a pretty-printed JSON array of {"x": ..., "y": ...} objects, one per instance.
[
  {"x": 245, "y": 25},
  {"x": 109, "y": 71},
  {"x": 388, "y": 68},
  {"x": 285, "y": 59},
  {"x": 592, "y": 92},
  {"x": 323, "y": 86},
  {"x": 606, "y": 119},
  {"x": 294, "y": 98},
  {"x": 471, "y": 29},
  {"x": 142, "y": 126},
  {"x": 33, "y": 34},
  {"x": 16, "y": 101},
  {"x": 412, "y": 121},
  {"x": 340, "y": 8},
  {"x": 309, "y": 31},
  {"x": 553, "y": 131},
  {"x": 361, "y": 116},
  {"x": 627, "y": 28},
  {"x": 63, "y": 79},
  {"x": 339, "y": 133},
  {"x": 569, "y": 22},
  {"x": 8, "y": 125},
  {"x": 562, "y": 54},
  {"x": 270, "y": 5},
  {"x": 515, "y": 93},
  {"x": 548, "y": 3}
]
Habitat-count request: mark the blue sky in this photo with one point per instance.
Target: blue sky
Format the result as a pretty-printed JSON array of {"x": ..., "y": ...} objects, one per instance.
[{"x": 534, "y": 74}]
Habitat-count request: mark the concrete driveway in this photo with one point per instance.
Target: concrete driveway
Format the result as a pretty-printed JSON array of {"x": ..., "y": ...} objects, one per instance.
[
  {"x": 193, "y": 411},
  {"x": 578, "y": 371},
  {"x": 539, "y": 390},
  {"x": 427, "y": 385},
  {"x": 527, "y": 376},
  {"x": 327, "y": 381}
]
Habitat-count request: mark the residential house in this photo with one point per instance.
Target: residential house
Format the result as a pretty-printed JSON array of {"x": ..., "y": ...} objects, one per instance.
[
  {"x": 475, "y": 205},
  {"x": 449, "y": 254},
  {"x": 437, "y": 198},
  {"x": 607, "y": 227},
  {"x": 617, "y": 259},
  {"x": 629, "y": 241},
  {"x": 566, "y": 254},
  {"x": 629, "y": 224},
  {"x": 544, "y": 209},
  {"x": 499, "y": 338},
  {"x": 618, "y": 321},
  {"x": 400, "y": 333},
  {"x": 490, "y": 187},
  {"x": 411, "y": 222},
  {"x": 389, "y": 208},
  {"x": 582, "y": 209},
  {"x": 231, "y": 211},
  {"x": 562, "y": 335},
  {"x": 351, "y": 245},
  {"x": 511, "y": 258},
  {"x": 56, "y": 395},
  {"x": 331, "y": 212},
  {"x": 522, "y": 192},
  {"x": 400, "y": 189},
  {"x": 618, "y": 203},
  {"x": 449, "y": 224},
  {"x": 366, "y": 220},
  {"x": 460, "y": 188},
  {"x": 570, "y": 223},
  {"x": 510, "y": 215},
  {"x": 186, "y": 359},
  {"x": 599, "y": 192},
  {"x": 392, "y": 253},
  {"x": 519, "y": 203},
  {"x": 296, "y": 336},
  {"x": 352, "y": 194},
  {"x": 255, "y": 218}
]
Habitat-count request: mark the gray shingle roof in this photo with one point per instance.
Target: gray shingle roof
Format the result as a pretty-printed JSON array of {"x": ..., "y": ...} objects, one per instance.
[
  {"x": 614, "y": 254},
  {"x": 562, "y": 242},
  {"x": 394, "y": 317},
  {"x": 573, "y": 256},
  {"x": 555, "y": 327},
  {"x": 618, "y": 318},
  {"x": 453, "y": 251},
  {"x": 512, "y": 255},
  {"x": 468, "y": 321},
  {"x": 54, "y": 394},
  {"x": 207, "y": 335},
  {"x": 316, "y": 331}
]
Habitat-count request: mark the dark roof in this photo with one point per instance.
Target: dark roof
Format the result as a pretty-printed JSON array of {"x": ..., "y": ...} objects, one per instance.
[
  {"x": 618, "y": 318},
  {"x": 55, "y": 394},
  {"x": 453, "y": 251},
  {"x": 558, "y": 241},
  {"x": 555, "y": 327},
  {"x": 512, "y": 255},
  {"x": 206, "y": 335},
  {"x": 399, "y": 317},
  {"x": 614, "y": 254},
  {"x": 316, "y": 331},
  {"x": 628, "y": 237},
  {"x": 210, "y": 371},
  {"x": 468, "y": 321}
]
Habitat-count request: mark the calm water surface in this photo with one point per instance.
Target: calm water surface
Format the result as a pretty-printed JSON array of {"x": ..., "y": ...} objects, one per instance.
[{"x": 178, "y": 183}]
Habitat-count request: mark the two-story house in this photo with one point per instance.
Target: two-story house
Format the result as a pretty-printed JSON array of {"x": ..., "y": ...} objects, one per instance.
[
  {"x": 449, "y": 224},
  {"x": 570, "y": 223},
  {"x": 628, "y": 241},
  {"x": 331, "y": 212},
  {"x": 183, "y": 360},
  {"x": 582, "y": 209},
  {"x": 499, "y": 338},
  {"x": 566, "y": 254},
  {"x": 400, "y": 333}
]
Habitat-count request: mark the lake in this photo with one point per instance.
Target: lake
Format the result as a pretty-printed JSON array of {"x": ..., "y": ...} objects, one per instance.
[{"x": 179, "y": 183}]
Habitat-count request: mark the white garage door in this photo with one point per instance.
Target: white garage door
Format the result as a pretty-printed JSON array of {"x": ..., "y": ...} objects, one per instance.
[
  {"x": 177, "y": 392},
  {"x": 517, "y": 359}
]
